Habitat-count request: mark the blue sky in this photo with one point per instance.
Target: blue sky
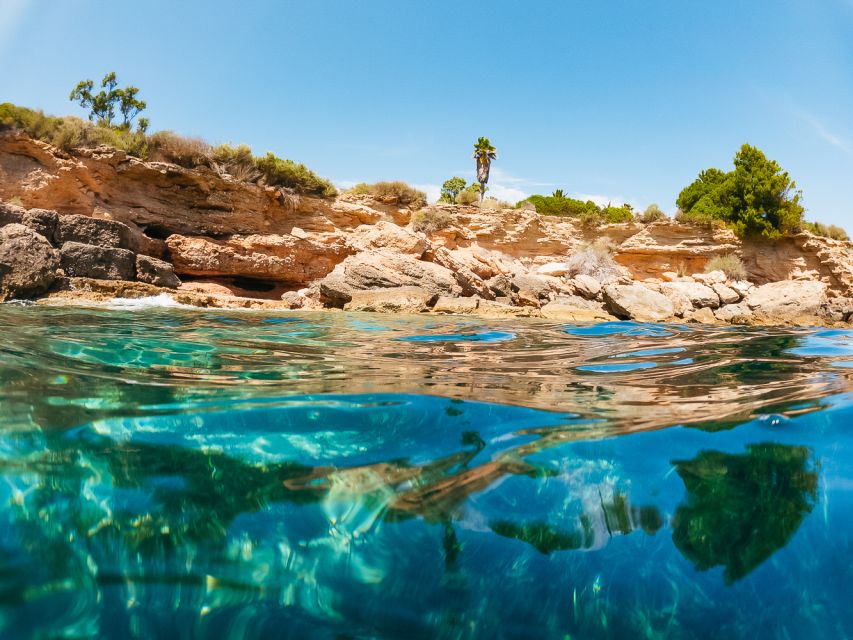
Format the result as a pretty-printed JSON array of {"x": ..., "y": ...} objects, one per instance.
[{"x": 625, "y": 101}]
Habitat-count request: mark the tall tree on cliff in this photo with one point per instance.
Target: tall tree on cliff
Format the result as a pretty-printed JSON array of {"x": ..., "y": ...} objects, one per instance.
[{"x": 484, "y": 153}]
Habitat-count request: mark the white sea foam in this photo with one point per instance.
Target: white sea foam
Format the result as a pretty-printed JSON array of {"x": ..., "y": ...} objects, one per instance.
[{"x": 147, "y": 302}]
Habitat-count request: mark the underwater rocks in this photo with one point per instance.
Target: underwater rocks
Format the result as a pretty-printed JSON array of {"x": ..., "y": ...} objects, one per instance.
[{"x": 28, "y": 263}]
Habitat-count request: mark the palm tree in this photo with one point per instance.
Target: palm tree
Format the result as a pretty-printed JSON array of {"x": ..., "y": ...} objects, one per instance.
[
  {"x": 558, "y": 194},
  {"x": 484, "y": 153}
]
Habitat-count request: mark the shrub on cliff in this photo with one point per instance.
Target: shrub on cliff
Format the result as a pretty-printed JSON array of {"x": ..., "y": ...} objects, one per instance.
[
  {"x": 278, "y": 172},
  {"x": 560, "y": 206},
  {"x": 165, "y": 146},
  {"x": 470, "y": 195},
  {"x": 729, "y": 264},
  {"x": 394, "y": 192},
  {"x": 451, "y": 188},
  {"x": 430, "y": 220},
  {"x": 756, "y": 199},
  {"x": 826, "y": 230},
  {"x": 594, "y": 260},
  {"x": 653, "y": 213}
]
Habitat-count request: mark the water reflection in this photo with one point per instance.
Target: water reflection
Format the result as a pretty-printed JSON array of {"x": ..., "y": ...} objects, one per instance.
[
  {"x": 235, "y": 491},
  {"x": 741, "y": 508}
]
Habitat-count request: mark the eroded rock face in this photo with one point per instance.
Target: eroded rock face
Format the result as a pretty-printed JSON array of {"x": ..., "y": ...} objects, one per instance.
[
  {"x": 788, "y": 300},
  {"x": 379, "y": 270},
  {"x": 575, "y": 309},
  {"x": 394, "y": 300},
  {"x": 86, "y": 230},
  {"x": 283, "y": 258},
  {"x": 636, "y": 302},
  {"x": 28, "y": 263},
  {"x": 157, "y": 272},
  {"x": 80, "y": 260}
]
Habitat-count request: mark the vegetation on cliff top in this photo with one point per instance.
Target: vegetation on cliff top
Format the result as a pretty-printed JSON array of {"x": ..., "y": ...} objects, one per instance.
[
  {"x": 394, "y": 192},
  {"x": 756, "y": 199},
  {"x": 69, "y": 133},
  {"x": 589, "y": 213}
]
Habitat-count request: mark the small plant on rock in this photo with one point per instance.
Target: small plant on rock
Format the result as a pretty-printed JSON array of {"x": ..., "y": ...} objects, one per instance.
[
  {"x": 430, "y": 220},
  {"x": 729, "y": 264},
  {"x": 594, "y": 260},
  {"x": 653, "y": 213}
]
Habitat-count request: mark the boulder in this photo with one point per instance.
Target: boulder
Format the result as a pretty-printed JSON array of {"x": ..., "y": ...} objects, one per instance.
[
  {"x": 703, "y": 316},
  {"x": 93, "y": 231},
  {"x": 530, "y": 286},
  {"x": 726, "y": 294},
  {"x": 446, "y": 304},
  {"x": 681, "y": 304},
  {"x": 156, "y": 272},
  {"x": 637, "y": 302},
  {"x": 837, "y": 310},
  {"x": 387, "y": 235},
  {"x": 10, "y": 214},
  {"x": 28, "y": 263},
  {"x": 41, "y": 221},
  {"x": 734, "y": 313},
  {"x": 470, "y": 283},
  {"x": 712, "y": 277},
  {"x": 575, "y": 309},
  {"x": 586, "y": 286},
  {"x": 380, "y": 270},
  {"x": 393, "y": 300},
  {"x": 500, "y": 285},
  {"x": 103, "y": 263},
  {"x": 742, "y": 287},
  {"x": 555, "y": 269},
  {"x": 700, "y": 295},
  {"x": 787, "y": 300}
]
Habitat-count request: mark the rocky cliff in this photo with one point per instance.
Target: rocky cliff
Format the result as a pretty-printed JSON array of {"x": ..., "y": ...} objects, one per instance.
[{"x": 203, "y": 232}]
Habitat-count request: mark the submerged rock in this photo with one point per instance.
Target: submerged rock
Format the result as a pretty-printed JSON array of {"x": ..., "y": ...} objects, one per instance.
[
  {"x": 28, "y": 263},
  {"x": 636, "y": 302},
  {"x": 393, "y": 300}
]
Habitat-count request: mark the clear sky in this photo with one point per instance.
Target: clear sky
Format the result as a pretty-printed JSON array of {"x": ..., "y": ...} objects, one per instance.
[{"x": 626, "y": 101}]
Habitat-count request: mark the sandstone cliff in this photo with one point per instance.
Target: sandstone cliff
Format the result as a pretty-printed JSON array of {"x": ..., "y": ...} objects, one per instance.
[{"x": 224, "y": 235}]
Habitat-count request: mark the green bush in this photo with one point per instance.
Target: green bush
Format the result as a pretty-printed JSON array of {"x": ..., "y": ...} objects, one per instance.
[
  {"x": 729, "y": 264},
  {"x": 653, "y": 213},
  {"x": 469, "y": 195},
  {"x": 756, "y": 199},
  {"x": 560, "y": 206},
  {"x": 699, "y": 219},
  {"x": 826, "y": 230},
  {"x": 451, "y": 189},
  {"x": 430, "y": 220},
  {"x": 278, "y": 172},
  {"x": 615, "y": 215}
]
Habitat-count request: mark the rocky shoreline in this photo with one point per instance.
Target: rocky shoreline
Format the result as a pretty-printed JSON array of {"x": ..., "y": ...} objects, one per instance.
[{"x": 99, "y": 225}]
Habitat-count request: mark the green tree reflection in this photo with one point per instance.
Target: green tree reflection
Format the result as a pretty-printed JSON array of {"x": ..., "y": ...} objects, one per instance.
[{"x": 742, "y": 508}]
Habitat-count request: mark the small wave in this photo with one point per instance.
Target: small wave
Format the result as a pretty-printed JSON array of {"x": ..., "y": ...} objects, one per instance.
[{"x": 147, "y": 302}]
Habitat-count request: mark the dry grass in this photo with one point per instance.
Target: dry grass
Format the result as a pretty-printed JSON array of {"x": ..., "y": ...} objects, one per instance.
[
  {"x": 394, "y": 192},
  {"x": 431, "y": 220},
  {"x": 165, "y": 146},
  {"x": 827, "y": 231},
  {"x": 729, "y": 264},
  {"x": 594, "y": 260},
  {"x": 653, "y": 213}
]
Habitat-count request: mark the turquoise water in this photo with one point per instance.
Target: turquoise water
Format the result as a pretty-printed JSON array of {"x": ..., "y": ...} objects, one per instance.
[{"x": 203, "y": 474}]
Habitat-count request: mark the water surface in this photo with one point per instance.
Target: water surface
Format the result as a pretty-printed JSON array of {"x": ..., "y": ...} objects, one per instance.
[{"x": 207, "y": 474}]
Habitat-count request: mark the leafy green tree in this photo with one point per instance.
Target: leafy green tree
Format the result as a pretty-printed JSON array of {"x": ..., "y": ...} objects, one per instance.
[
  {"x": 484, "y": 153},
  {"x": 756, "y": 199},
  {"x": 102, "y": 105},
  {"x": 451, "y": 188}
]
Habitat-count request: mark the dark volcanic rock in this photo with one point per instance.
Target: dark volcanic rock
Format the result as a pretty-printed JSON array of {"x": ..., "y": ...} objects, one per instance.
[
  {"x": 156, "y": 272},
  {"x": 94, "y": 231},
  {"x": 10, "y": 214},
  {"x": 28, "y": 263},
  {"x": 105, "y": 263}
]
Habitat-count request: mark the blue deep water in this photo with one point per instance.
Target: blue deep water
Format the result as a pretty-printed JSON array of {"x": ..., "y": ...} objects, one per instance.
[{"x": 172, "y": 473}]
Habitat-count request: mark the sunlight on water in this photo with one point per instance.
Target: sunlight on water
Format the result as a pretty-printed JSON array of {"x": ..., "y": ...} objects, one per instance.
[{"x": 187, "y": 473}]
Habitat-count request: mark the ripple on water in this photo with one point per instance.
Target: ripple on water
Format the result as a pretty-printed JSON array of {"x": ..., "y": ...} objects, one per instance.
[
  {"x": 625, "y": 328},
  {"x": 479, "y": 336}
]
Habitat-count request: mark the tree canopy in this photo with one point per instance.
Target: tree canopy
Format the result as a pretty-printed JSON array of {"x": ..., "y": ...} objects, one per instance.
[
  {"x": 757, "y": 199},
  {"x": 452, "y": 188},
  {"x": 103, "y": 105}
]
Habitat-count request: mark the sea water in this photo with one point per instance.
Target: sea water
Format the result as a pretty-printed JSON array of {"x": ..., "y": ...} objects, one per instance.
[{"x": 178, "y": 473}]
